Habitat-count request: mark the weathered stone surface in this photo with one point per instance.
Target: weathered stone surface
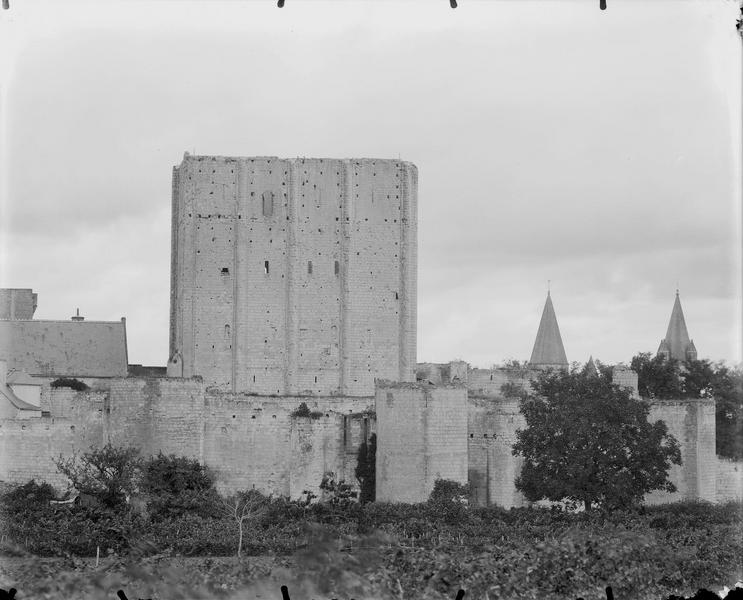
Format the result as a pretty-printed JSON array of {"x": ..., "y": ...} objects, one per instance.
[{"x": 294, "y": 276}]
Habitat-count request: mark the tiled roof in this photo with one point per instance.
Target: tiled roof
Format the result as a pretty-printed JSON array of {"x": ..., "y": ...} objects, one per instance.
[
  {"x": 65, "y": 348},
  {"x": 548, "y": 348}
]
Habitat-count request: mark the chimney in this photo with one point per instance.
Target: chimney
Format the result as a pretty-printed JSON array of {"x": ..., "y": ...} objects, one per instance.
[{"x": 77, "y": 317}]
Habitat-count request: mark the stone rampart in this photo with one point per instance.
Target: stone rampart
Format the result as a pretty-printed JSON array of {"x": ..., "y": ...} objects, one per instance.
[
  {"x": 421, "y": 437},
  {"x": 249, "y": 441},
  {"x": 729, "y": 484}
]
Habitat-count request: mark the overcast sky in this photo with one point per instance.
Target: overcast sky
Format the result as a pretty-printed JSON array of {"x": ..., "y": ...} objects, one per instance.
[{"x": 600, "y": 150}]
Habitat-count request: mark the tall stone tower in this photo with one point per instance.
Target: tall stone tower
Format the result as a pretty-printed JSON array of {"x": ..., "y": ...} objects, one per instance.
[
  {"x": 677, "y": 344},
  {"x": 293, "y": 276},
  {"x": 548, "y": 350}
]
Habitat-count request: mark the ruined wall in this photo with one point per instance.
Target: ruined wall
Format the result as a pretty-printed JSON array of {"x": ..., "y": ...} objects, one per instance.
[
  {"x": 17, "y": 303},
  {"x": 249, "y": 441},
  {"x": 729, "y": 484},
  {"x": 692, "y": 423},
  {"x": 294, "y": 276},
  {"x": 421, "y": 437}
]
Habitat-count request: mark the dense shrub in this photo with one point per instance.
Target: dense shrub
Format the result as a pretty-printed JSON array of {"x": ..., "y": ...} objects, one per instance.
[
  {"x": 68, "y": 382},
  {"x": 29, "y": 497},
  {"x": 650, "y": 552},
  {"x": 176, "y": 485}
]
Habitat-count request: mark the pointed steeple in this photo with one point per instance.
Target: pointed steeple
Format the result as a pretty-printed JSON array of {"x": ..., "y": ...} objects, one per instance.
[
  {"x": 677, "y": 344},
  {"x": 590, "y": 368},
  {"x": 548, "y": 349}
]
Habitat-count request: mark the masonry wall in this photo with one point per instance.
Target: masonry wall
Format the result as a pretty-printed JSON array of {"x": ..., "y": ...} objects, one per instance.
[
  {"x": 729, "y": 484},
  {"x": 421, "y": 437},
  {"x": 692, "y": 423},
  {"x": 294, "y": 276},
  {"x": 492, "y": 425},
  {"x": 17, "y": 303},
  {"x": 248, "y": 440}
]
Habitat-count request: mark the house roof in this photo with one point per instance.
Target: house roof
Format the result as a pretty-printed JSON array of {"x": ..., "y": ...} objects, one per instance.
[
  {"x": 65, "y": 348},
  {"x": 548, "y": 348}
]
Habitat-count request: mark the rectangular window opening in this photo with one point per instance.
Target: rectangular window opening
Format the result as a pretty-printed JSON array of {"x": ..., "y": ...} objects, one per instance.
[
  {"x": 225, "y": 271},
  {"x": 337, "y": 267},
  {"x": 265, "y": 267},
  {"x": 309, "y": 267}
]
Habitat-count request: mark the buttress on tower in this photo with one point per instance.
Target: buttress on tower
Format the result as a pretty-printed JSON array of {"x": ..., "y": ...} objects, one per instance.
[{"x": 293, "y": 276}]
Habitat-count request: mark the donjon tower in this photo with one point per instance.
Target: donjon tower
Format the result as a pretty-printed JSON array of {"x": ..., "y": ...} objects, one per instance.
[{"x": 293, "y": 276}]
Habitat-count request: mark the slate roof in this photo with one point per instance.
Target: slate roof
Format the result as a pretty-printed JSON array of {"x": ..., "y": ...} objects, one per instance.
[
  {"x": 548, "y": 349},
  {"x": 65, "y": 348},
  {"x": 677, "y": 340}
]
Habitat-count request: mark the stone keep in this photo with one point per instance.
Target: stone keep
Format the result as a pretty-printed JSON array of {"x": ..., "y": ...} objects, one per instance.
[{"x": 293, "y": 276}]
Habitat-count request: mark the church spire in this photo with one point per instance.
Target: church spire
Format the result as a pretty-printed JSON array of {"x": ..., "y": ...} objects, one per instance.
[
  {"x": 548, "y": 349},
  {"x": 677, "y": 344}
]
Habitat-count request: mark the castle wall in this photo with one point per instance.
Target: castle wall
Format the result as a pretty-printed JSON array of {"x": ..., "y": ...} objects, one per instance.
[
  {"x": 421, "y": 437},
  {"x": 729, "y": 484},
  {"x": 247, "y": 440},
  {"x": 492, "y": 425},
  {"x": 692, "y": 423},
  {"x": 294, "y": 276}
]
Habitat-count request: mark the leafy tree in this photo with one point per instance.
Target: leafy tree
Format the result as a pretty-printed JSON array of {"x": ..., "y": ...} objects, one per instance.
[
  {"x": 244, "y": 507},
  {"x": 448, "y": 501},
  {"x": 366, "y": 469},
  {"x": 177, "y": 485},
  {"x": 727, "y": 389},
  {"x": 697, "y": 379},
  {"x": 336, "y": 492},
  {"x": 657, "y": 376},
  {"x": 589, "y": 441},
  {"x": 29, "y": 497},
  {"x": 605, "y": 371},
  {"x": 109, "y": 474}
]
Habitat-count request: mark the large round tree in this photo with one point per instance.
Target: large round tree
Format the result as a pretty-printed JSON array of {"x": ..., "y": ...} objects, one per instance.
[{"x": 589, "y": 441}]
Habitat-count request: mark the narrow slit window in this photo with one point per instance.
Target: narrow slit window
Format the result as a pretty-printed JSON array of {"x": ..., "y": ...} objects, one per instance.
[
  {"x": 267, "y": 204},
  {"x": 226, "y": 331},
  {"x": 337, "y": 267},
  {"x": 309, "y": 267},
  {"x": 397, "y": 296},
  {"x": 265, "y": 267}
]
